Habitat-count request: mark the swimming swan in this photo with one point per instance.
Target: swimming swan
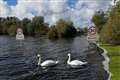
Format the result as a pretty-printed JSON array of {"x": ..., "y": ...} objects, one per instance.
[
  {"x": 47, "y": 63},
  {"x": 74, "y": 63}
]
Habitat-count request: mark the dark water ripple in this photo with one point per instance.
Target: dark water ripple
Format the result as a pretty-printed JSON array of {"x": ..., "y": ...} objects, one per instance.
[{"x": 18, "y": 60}]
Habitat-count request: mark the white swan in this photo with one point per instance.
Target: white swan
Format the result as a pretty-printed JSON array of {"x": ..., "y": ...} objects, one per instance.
[
  {"x": 47, "y": 63},
  {"x": 74, "y": 63}
]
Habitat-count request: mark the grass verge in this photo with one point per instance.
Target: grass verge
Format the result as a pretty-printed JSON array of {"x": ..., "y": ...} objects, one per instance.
[{"x": 114, "y": 55}]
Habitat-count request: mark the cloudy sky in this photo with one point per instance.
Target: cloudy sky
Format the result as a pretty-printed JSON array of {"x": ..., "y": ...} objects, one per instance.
[{"x": 78, "y": 11}]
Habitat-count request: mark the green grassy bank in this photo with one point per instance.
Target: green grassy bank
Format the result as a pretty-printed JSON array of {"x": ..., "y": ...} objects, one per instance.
[{"x": 114, "y": 55}]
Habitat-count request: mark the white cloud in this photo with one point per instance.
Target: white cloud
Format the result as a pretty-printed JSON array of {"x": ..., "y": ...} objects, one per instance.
[
  {"x": 57, "y": 6},
  {"x": 50, "y": 9},
  {"x": 4, "y": 9},
  {"x": 53, "y": 10},
  {"x": 26, "y": 8},
  {"x": 84, "y": 10}
]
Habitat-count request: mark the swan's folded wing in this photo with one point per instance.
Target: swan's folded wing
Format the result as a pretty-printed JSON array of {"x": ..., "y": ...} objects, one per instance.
[
  {"x": 76, "y": 62},
  {"x": 48, "y": 63}
]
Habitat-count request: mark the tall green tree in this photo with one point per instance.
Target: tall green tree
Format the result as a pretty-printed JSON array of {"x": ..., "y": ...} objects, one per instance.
[
  {"x": 111, "y": 30},
  {"x": 39, "y": 26},
  {"x": 62, "y": 29},
  {"x": 1, "y": 21},
  {"x": 30, "y": 29},
  {"x": 26, "y": 25},
  {"x": 99, "y": 19},
  {"x": 65, "y": 28},
  {"x": 53, "y": 34},
  {"x": 12, "y": 30},
  {"x": 8, "y": 22}
]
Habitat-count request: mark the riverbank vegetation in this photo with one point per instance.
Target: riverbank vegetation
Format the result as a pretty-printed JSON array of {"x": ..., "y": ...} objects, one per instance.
[
  {"x": 114, "y": 55},
  {"x": 62, "y": 29},
  {"x": 108, "y": 24},
  {"x": 37, "y": 27}
]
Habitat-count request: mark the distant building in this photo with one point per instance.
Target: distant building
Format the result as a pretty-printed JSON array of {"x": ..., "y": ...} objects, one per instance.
[{"x": 19, "y": 35}]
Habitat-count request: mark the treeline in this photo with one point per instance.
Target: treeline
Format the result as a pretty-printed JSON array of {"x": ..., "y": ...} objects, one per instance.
[
  {"x": 62, "y": 29},
  {"x": 108, "y": 24},
  {"x": 37, "y": 27}
]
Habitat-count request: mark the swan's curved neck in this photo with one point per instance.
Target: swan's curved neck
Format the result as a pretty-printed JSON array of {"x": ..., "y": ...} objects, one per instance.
[
  {"x": 39, "y": 61},
  {"x": 69, "y": 58}
]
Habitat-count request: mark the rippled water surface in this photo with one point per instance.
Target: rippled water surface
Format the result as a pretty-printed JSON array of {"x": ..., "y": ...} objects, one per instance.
[{"x": 18, "y": 60}]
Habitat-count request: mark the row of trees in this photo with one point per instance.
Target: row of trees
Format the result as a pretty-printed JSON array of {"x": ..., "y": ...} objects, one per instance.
[
  {"x": 37, "y": 27},
  {"x": 108, "y": 24},
  {"x": 62, "y": 29}
]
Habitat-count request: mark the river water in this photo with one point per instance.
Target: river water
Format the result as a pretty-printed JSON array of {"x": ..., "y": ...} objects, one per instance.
[{"x": 18, "y": 60}]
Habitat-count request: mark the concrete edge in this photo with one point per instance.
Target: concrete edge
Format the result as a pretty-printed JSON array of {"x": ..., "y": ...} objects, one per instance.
[{"x": 106, "y": 61}]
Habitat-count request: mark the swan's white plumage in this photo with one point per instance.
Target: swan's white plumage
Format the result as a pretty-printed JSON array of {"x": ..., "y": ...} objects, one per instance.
[
  {"x": 77, "y": 62},
  {"x": 47, "y": 63},
  {"x": 74, "y": 63}
]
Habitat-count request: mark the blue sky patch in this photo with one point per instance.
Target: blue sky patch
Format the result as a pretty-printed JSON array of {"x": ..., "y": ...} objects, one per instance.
[{"x": 11, "y": 2}]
